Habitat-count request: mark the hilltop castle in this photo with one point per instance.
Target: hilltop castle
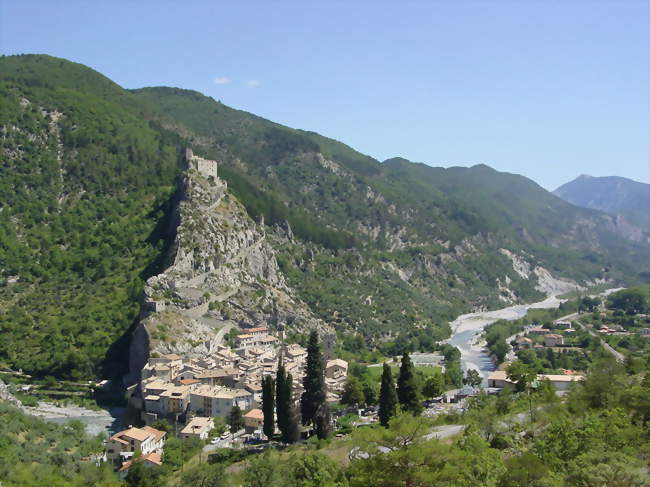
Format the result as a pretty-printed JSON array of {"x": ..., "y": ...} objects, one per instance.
[{"x": 205, "y": 167}]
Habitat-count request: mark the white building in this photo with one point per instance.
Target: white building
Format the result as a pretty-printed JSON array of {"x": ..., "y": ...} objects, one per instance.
[
  {"x": 122, "y": 445},
  {"x": 198, "y": 427},
  {"x": 218, "y": 401}
]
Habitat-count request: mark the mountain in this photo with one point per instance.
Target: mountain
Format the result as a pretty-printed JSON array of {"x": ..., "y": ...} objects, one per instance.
[
  {"x": 627, "y": 199},
  {"x": 103, "y": 217}
]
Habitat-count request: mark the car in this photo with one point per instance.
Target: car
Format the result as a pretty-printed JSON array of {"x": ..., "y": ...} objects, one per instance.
[{"x": 215, "y": 441}]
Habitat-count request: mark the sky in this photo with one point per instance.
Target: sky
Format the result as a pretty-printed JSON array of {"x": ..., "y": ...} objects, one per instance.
[{"x": 550, "y": 90}]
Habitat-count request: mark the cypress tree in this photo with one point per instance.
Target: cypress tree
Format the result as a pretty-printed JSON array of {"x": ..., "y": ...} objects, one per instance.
[
  {"x": 291, "y": 433},
  {"x": 313, "y": 399},
  {"x": 235, "y": 419},
  {"x": 280, "y": 403},
  {"x": 387, "y": 396},
  {"x": 408, "y": 391},
  {"x": 268, "y": 405},
  {"x": 285, "y": 409},
  {"x": 323, "y": 422}
]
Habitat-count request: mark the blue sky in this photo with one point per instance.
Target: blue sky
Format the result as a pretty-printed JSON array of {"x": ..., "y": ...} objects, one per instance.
[{"x": 547, "y": 89}]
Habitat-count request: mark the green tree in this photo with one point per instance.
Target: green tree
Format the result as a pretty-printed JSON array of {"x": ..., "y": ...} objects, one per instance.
[
  {"x": 524, "y": 378},
  {"x": 632, "y": 301},
  {"x": 323, "y": 426},
  {"x": 137, "y": 476},
  {"x": 387, "y": 396},
  {"x": 282, "y": 399},
  {"x": 268, "y": 405},
  {"x": 314, "y": 395},
  {"x": 369, "y": 393},
  {"x": 235, "y": 419},
  {"x": 434, "y": 385},
  {"x": 473, "y": 378},
  {"x": 285, "y": 409},
  {"x": 408, "y": 391},
  {"x": 352, "y": 392},
  {"x": 291, "y": 434}
]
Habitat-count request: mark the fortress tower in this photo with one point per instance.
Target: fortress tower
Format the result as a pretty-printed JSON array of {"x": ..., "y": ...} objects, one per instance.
[{"x": 205, "y": 167}]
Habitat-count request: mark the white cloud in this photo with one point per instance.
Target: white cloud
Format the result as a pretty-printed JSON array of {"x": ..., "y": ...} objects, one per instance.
[
  {"x": 221, "y": 80},
  {"x": 253, "y": 83}
]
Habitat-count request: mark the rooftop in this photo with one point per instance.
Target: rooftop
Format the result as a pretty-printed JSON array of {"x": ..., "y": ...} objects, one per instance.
[{"x": 255, "y": 414}]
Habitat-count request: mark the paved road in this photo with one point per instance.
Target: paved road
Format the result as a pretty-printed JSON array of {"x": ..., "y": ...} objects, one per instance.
[
  {"x": 445, "y": 431},
  {"x": 617, "y": 355}
]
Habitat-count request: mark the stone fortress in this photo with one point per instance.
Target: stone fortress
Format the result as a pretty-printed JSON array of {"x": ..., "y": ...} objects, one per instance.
[{"x": 206, "y": 167}]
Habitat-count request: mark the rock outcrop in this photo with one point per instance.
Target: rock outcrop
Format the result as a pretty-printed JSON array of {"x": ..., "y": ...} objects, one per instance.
[{"x": 223, "y": 275}]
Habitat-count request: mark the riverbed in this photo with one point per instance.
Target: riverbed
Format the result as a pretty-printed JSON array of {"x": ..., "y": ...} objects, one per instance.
[
  {"x": 467, "y": 328},
  {"x": 105, "y": 421}
]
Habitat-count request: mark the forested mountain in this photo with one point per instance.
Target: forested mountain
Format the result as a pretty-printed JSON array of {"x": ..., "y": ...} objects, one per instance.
[
  {"x": 614, "y": 195},
  {"x": 385, "y": 252}
]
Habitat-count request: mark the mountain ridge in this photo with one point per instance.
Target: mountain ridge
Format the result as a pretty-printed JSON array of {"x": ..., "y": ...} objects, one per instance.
[
  {"x": 384, "y": 254},
  {"x": 624, "y": 198}
]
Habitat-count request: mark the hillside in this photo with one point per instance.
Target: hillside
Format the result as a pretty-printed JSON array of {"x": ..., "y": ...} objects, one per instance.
[
  {"x": 622, "y": 197},
  {"x": 386, "y": 253}
]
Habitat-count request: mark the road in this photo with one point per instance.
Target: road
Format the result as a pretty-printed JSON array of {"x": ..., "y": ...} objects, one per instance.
[
  {"x": 617, "y": 355},
  {"x": 445, "y": 431}
]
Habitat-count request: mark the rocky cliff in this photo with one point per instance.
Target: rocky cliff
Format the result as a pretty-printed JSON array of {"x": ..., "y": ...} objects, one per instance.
[{"x": 223, "y": 275}]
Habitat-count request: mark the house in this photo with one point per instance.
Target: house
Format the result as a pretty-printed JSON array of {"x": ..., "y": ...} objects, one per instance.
[
  {"x": 560, "y": 382},
  {"x": 124, "y": 444},
  {"x": 553, "y": 340},
  {"x": 336, "y": 368},
  {"x": 199, "y": 427},
  {"x": 218, "y": 401},
  {"x": 255, "y": 337},
  {"x": 295, "y": 352},
  {"x": 523, "y": 343},
  {"x": 217, "y": 377},
  {"x": 538, "y": 331},
  {"x": 499, "y": 379},
  {"x": 253, "y": 420},
  {"x": 153, "y": 459}
]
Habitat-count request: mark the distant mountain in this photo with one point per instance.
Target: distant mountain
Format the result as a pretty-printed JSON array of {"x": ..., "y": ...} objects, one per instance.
[{"x": 615, "y": 195}]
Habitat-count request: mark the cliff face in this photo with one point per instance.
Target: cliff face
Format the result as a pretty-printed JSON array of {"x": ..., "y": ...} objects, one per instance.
[{"x": 224, "y": 274}]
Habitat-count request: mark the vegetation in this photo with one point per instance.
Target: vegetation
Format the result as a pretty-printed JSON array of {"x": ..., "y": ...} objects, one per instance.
[
  {"x": 41, "y": 454},
  {"x": 408, "y": 391},
  {"x": 386, "y": 253},
  {"x": 235, "y": 419},
  {"x": 387, "y": 396},
  {"x": 268, "y": 405},
  {"x": 313, "y": 399},
  {"x": 85, "y": 185},
  {"x": 285, "y": 409}
]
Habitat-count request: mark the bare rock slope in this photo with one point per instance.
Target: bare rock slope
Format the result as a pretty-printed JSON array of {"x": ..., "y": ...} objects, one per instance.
[{"x": 224, "y": 275}]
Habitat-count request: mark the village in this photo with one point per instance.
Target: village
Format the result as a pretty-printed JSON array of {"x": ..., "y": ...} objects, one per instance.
[{"x": 189, "y": 393}]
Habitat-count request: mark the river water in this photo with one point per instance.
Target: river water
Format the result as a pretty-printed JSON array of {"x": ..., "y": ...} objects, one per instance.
[{"x": 467, "y": 328}]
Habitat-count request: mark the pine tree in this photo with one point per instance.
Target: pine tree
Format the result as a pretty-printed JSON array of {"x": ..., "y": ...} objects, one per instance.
[
  {"x": 408, "y": 391},
  {"x": 313, "y": 399},
  {"x": 387, "y": 396},
  {"x": 268, "y": 405}
]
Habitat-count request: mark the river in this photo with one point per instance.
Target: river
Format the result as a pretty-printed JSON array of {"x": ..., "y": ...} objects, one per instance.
[{"x": 467, "y": 328}]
